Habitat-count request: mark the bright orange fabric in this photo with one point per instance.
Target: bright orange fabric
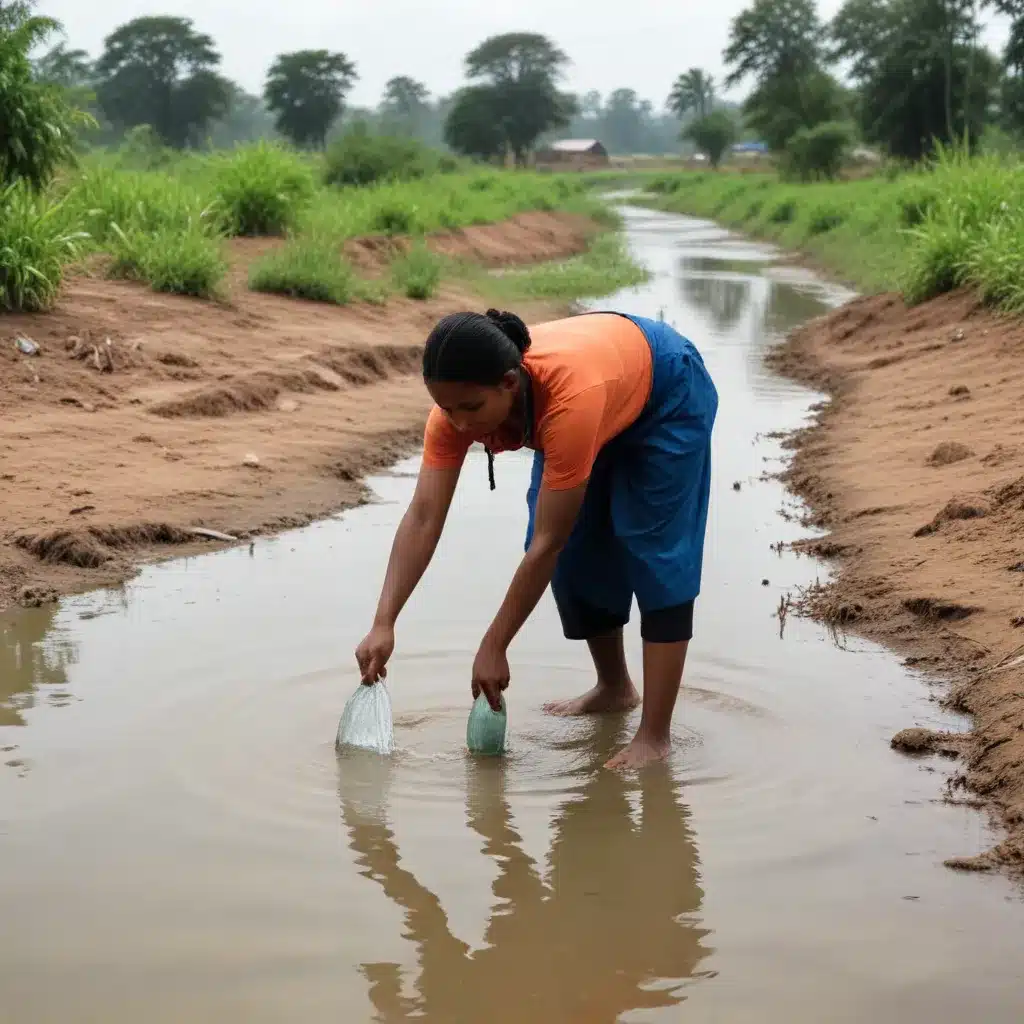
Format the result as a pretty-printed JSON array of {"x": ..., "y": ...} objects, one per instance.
[{"x": 591, "y": 378}]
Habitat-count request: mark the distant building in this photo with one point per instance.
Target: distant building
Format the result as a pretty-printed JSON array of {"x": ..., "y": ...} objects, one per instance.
[
  {"x": 750, "y": 147},
  {"x": 572, "y": 155}
]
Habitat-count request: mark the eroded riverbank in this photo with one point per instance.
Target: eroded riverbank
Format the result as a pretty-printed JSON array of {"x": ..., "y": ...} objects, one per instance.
[
  {"x": 147, "y": 415},
  {"x": 916, "y": 470}
]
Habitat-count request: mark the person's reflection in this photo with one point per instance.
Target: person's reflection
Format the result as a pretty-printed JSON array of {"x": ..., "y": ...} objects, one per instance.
[
  {"x": 613, "y": 931},
  {"x": 32, "y": 653},
  {"x": 723, "y": 299}
]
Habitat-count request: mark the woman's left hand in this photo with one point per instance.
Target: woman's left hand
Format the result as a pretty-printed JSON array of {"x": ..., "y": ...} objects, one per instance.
[{"x": 490, "y": 673}]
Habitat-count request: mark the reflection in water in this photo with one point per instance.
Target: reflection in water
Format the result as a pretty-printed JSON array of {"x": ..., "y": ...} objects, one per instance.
[
  {"x": 787, "y": 307},
  {"x": 614, "y": 931},
  {"x": 34, "y": 653},
  {"x": 723, "y": 299}
]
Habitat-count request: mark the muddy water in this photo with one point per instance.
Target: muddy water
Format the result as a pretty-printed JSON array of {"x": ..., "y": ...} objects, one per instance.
[{"x": 179, "y": 841}]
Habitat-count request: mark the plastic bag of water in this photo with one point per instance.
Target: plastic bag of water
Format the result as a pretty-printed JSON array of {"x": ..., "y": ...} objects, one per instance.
[
  {"x": 366, "y": 721},
  {"x": 485, "y": 731}
]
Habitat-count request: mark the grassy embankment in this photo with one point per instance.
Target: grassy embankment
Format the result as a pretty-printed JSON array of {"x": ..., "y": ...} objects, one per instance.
[
  {"x": 168, "y": 227},
  {"x": 958, "y": 222}
]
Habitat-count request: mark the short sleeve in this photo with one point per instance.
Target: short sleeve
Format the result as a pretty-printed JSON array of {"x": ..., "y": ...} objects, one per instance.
[
  {"x": 570, "y": 436},
  {"x": 443, "y": 446}
]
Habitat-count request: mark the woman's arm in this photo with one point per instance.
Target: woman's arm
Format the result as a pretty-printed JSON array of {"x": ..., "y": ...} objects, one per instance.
[
  {"x": 416, "y": 540},
  {"x": 414, "y": 544}
]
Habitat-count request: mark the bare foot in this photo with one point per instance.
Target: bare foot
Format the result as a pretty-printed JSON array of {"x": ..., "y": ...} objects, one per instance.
[
  {"x": 599, "y": 700},
  {"x": 641, "y": 751}
]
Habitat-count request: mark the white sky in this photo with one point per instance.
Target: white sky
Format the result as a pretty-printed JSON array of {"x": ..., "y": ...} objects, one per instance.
[{"x": 643, "y": 44}]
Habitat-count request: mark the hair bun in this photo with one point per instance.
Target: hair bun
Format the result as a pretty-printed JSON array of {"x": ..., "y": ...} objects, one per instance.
[{"x": 512, "y": 327}]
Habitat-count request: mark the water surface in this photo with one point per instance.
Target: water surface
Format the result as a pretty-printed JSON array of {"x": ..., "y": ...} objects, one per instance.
[{"x": 179, "y": 841}]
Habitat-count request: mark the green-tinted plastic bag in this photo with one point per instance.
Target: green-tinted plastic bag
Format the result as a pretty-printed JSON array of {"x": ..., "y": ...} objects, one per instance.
[{"x": 485, "y": 731}]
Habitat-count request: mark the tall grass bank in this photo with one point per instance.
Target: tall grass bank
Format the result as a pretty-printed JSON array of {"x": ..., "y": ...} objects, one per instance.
[{"x": 956, "y": 222}]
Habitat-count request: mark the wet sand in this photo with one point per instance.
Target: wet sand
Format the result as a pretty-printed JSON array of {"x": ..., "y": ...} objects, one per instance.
[
  {"x": 179, "y": 841},
  {"x": 916, "y": 472},
  {"x": 112, "y": 453}
]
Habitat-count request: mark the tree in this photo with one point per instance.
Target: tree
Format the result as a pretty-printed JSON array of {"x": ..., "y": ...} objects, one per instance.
[
  {"x": 712, "y": 134},
  {"x": 39, "y": 123},
  {"x": 778, "y": 43},
  {"x": 306, "y": 91},
  {"x": 470, "y": 128},
  {"x": 246, "y": 120},
  {"x": 947, "y": 97},
  {"x": 818, "y": 152},
  {"x": 622, "y": 122},
  {"x": 159, "y": 71},
  {"x": 71, "y": 69},
  {"x": 693, "y": 91},
  {"x": 405, "y": 104},
  {"x": 517, "y": 93}
]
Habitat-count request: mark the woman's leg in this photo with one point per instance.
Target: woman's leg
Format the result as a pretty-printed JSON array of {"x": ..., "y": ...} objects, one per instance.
[
  {"x": 659, "y": 505},
  {"x": 614, "y": 690}
]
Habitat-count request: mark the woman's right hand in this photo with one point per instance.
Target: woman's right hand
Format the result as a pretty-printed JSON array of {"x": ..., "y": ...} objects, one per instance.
[{"x": 373, "y": 654}]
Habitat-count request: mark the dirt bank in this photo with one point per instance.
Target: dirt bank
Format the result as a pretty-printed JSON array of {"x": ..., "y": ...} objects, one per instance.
[
  {"x": 146, "y": 416},
  {"x": 916, "y": 471}
]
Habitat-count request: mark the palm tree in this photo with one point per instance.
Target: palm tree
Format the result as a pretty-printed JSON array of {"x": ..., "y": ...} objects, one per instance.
[{"x": 694, "y": 90}]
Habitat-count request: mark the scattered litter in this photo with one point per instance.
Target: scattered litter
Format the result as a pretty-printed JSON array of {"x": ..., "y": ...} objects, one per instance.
[
  {"x": 366, "y": 721},
  {"x": 485, "y": 730},
  {"x": 252, "y": 461},
  {"x": 202, "y": 531},
  {"x": 26, "y": 346}
]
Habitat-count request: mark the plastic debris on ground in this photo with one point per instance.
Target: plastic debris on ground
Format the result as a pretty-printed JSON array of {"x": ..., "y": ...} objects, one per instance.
[
  {"x": 26, "y": 346},
  {"x": 485, "y": 731},
  {"x": 366, "y": 722}
]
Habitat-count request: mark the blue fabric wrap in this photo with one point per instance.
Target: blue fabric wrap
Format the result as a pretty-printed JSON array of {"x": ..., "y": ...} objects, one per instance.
[{"x": 642, "y": 525}]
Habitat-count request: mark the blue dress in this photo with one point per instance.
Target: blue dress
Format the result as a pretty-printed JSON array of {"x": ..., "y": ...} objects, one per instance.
[{"x": 641, "y": 529}]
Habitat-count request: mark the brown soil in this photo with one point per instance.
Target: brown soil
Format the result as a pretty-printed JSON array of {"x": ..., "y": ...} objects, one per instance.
[
  {"x": 916, "y": 469},
  {"x": 146, "y": 416}
]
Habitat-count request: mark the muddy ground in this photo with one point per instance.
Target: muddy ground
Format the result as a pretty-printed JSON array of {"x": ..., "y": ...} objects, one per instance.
[
  {"x": 146, "y": 416},
  {"x": 916, "y": 472}
]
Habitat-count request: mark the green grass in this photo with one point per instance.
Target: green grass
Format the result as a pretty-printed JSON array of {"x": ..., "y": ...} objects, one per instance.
[
  {"x": 958, "y": 222},
  {"x": 309, "y": 267},
  {"x": 35, "y": 247},
  {"x": 261, "y": 189},
  {"x": 417, "y": 273},
  {"x": 180, "y": 261},
  {"x": 605, "y": 267},
  {"x": 162, "y": 218}
]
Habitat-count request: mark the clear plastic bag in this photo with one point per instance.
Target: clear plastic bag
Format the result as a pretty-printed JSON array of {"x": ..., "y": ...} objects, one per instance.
[
  {"x": 366, "y": 721},
  {"x": 485, "y": 730}
]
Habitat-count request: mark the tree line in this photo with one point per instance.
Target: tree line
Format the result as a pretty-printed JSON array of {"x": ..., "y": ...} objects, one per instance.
[{"x": 162, "y": 73}]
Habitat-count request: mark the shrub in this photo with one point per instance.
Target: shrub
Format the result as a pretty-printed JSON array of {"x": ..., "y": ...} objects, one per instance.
[
  {"x": 262, "y": 189},
  {"x": 394, "y": 218},
  {"x": 38, "y": 123},
  {"x": 417, "y": 273},
  {"x": 782, "y": 212},
  {"x": 713, "y": 134},
  {"x": 824, "y": 217},
  {"x": 818, "y": 152},
  {"x": 34, "y": 249},
  {"x": 182, "y": 261},
  {"x": 359, "y": 158},
  {"x": 309, "y": 267}
]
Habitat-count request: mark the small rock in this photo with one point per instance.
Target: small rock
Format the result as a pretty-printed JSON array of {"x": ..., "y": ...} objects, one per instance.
[
  {"x": 26, "y": 346},
  {"x": 1017, "y": 622},
  {"x": 287, "y": 405},
  {"x": 766, "y": 583},
  {"x": 957, "y": 335},
  {"x": 252, "y": 461},
  {"x": 737, "y": 486},
  {"x": 960, "y": 391}
]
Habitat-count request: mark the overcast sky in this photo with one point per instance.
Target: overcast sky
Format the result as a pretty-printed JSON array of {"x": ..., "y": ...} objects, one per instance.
[{"x": 641, "y": 44}]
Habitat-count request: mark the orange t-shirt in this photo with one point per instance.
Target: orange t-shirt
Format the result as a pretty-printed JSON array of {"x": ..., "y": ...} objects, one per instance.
[{"x": 591, "y": 378}]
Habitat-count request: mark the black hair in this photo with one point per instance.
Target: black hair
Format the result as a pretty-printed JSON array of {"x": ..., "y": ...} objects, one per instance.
[{"x": 475, "y": 348}]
